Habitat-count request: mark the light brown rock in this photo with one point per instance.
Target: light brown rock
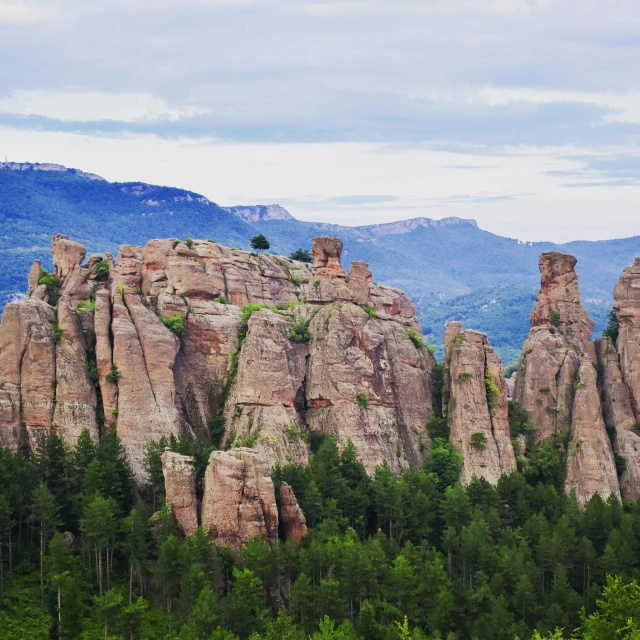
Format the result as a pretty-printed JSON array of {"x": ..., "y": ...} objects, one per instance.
[
  {"x": 104, "y": 355},
  {"x": 34, "y": 276},
  {"x": 75, "y": 393},
  {"x": 558, "y": 340},
  {"x": 144, "y": 352},
  {"x": 27, "y": 369},
  {"x": 627, "y": 304},
  {"x": 360, "y": 281},
  {"x": 326, "y": 253},
  {"x": 348, "y": 357},
  {"x": 478, "y": 420},
  {"x": 67, "y": 255},
  {"x": 268, "y": 394},
  {"x": 239, "y": 499},
  {"x": 180, "y": 486},
  {"x": 591, "y": 467},
  {"x": 294, "y": 524}
]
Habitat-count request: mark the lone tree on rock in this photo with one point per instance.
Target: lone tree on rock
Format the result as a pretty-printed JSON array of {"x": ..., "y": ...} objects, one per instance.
[
  {"x": 302, "y": 255},
  {"x": 260, "y": 243}
]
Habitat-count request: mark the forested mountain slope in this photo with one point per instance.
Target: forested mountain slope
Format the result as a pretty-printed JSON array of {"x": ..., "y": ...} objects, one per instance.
[{"x": 432, "y": 261}]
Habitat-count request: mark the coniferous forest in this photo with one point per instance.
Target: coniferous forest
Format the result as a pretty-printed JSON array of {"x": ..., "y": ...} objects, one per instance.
[{"x": 416, "y": 556}]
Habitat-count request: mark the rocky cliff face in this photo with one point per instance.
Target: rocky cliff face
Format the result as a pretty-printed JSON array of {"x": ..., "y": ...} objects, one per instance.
[
  {"x": 178, "y": 336},
  {"x": 477, "y": 405},
  {"x": 620, "y": 380},
  {"x": 294, "y": 524},
  {"x": 180, "y": 486},
  {"x": 556, "y": 381}
]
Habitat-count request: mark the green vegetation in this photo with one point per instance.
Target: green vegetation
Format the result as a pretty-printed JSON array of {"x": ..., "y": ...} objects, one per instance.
[
  {"x": 260, "y": 243},
  {"x": 56, "y": 332},
  {"x": 362, "y": 400},
  {"x": 301, "y": 255},
  {"x": 89, "y": 304},
  {"x": 613, "y": 326},
  {"x": 554, "y": 318},
  {"x": 247, "y": 311},
  {"x": 296, "y": 280},
  {"x": 418, "y": 341},
  {"x": 52, "y": 284},
  {"x": 189, "y": 242},
  {"x": 409, "y": 557},
  {"x": 519, "y": 421},
  {"x": 464, "y": 375},
  {"x": 221, "y": 300},
  {"x": 544, "y": 389},
  {"x": 300, "y": 332},
  {"x": 102, "y": 269},
  {"x": 370, "y": 311},
  {"x": 175, "y": 323},
  {"x": 493, "y": 392},
  {"x": 478, "y": 440},
  {"x": 438, "y": 428},
  {"x": 114, "y": 374}
]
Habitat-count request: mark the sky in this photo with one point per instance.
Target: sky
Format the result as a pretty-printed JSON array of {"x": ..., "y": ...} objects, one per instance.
[{"x": 521, "y": 114}]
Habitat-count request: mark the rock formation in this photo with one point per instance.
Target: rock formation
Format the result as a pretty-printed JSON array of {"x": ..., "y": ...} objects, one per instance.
[
  {"x": 556, "y": 381},
  {"x": 477, "y": 405},
  {"x": 180, "y": 486},
  {"x": 239, "y": 500},
  {"x": 620, "y": 381},
  {"x": 294, "y": 524},
  {"x": 161, "y": 346}
]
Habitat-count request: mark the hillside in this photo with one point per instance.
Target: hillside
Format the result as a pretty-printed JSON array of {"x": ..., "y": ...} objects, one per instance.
[{"x": 434, "y": 261}]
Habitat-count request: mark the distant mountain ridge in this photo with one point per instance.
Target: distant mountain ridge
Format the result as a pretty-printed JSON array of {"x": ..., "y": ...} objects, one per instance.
[{"x": 448, "y": 266}]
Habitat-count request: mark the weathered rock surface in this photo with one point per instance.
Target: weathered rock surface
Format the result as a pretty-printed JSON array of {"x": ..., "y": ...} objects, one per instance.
[
  {"x": 556, "y": 383},
  {"x": 591, "y": 467},
  {"x": 67, "y": 255},
  {"x": 75, "y": 393},
  {"x": 180, "y": 485},
  {"x": 270, "y": 389},
  {"x": 268, "y": 396},
  {"x": 326, "y": 253},
  {"x": 239, "y": 500},
  {"x": 477, "y": 405},
  {"x": 627, "y": 304},
  {"x": 559, "y": 338},
  {"x": 294, "y": 524}
]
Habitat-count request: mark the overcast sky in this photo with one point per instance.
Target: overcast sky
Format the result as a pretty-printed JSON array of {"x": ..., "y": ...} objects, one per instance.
[{"x": 522, "y": 114}]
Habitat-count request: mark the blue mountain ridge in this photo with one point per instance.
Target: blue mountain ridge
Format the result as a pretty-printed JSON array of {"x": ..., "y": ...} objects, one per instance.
[{"x": 452, "y": 269}]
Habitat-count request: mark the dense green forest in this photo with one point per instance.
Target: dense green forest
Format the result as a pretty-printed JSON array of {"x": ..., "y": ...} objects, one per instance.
[{"x": 411, "y": 557}]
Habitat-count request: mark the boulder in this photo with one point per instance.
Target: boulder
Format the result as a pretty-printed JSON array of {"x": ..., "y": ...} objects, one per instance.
[
  {"x": 326, "y": 253},
  {"x": 294, "y": 524},
  {"x": 180, "y": 486},
  {"x": 360, "y": 281},
  {"x": 67, "y": 255},
  {"x": 239, "y": 499}
]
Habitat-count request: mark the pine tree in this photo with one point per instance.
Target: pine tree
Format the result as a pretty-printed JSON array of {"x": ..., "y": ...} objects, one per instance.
[
  {"x": 260, "y": 243},
  {"x": 6, "y": 527},
  {"x": 44, "y": 514}
]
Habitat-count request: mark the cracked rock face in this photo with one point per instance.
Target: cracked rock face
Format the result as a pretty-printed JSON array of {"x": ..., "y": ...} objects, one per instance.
[
  {"x": 477, "y": 405},
  {"x": 558, "y": 340},
  {"x": 294, "y": 524},
  {"x": 180, "y": 485},
  {"x": 302, "y": 363},
  {"x": 239, "y": 500},
  {"x": 556, "y": 381}
]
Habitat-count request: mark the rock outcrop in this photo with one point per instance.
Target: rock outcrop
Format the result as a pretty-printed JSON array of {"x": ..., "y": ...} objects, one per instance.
[
  {"x": 67, "y": 255},
  {"x": 180, "y": 486},
  {"x": 620, "y": 380},
  {"x": 591, "y": 467},
  {"x": 477, "y": 405},
  {"x": 294, "y": 524},
  {"x": 239, "y": 500},
  {"x": 556, "y": 380},
  {"x": 161, "y": 346}
]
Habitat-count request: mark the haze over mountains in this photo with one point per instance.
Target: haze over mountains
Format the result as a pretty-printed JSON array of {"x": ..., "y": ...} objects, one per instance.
[{"x": 452, "y": 269}]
